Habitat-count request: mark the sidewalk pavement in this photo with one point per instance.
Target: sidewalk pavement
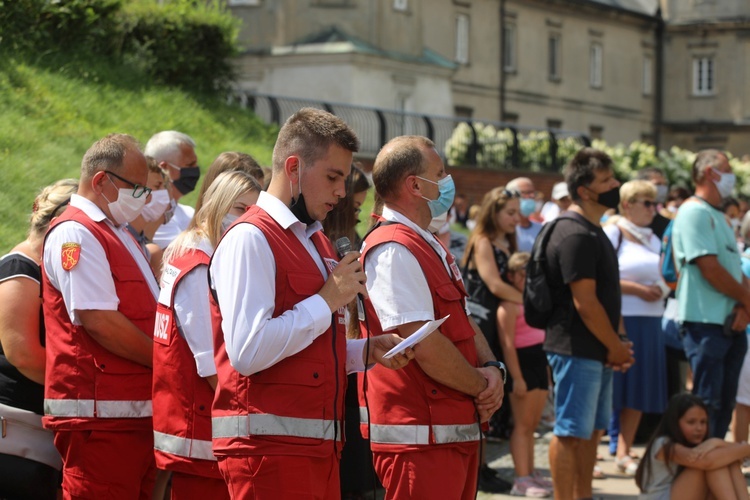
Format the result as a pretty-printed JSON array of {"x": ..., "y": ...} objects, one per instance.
[{"x": 616, "y": 485}]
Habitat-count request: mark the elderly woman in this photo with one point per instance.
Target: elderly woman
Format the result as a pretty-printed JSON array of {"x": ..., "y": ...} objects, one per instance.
[{"x": 643, "y": 388}]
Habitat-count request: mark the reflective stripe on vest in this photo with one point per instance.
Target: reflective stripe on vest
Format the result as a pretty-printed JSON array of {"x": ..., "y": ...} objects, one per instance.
[
  {"x": 183, "y": 447},
  {"x": 420, "y": 434},
  {"x": 259, "y": 424},
  {"x": 89, "y": 408}
]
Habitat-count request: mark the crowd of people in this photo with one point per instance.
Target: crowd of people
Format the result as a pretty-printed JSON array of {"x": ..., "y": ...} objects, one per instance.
[{"x": 247, "y": 349}]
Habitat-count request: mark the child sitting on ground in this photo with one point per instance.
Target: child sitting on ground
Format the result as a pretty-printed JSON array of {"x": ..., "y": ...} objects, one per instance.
[{"x": 681, "y": 463}]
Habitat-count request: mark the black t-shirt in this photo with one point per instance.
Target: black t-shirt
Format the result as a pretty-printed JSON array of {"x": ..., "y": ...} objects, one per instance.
[
  {"x": 15, "y": 389},
  {"x": 659, "y": 225},
  {"x": 579, "y": 250}
]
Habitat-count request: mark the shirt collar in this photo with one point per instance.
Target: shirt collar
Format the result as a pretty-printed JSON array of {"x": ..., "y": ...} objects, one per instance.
[
  {"x": 88, "y": 207},
  {"x": 394, "y": 216},
  {"x": 283, "y": 216}
]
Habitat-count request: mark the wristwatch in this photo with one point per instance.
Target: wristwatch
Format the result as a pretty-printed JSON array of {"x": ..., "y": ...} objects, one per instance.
[{"x": 500, "y": 366}]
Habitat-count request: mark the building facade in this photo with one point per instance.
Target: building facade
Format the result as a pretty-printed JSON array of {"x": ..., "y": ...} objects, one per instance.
[{"x": 670, "y": 72}]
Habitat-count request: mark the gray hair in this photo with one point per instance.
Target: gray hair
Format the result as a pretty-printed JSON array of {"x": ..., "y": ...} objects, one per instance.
[
  {"x": 705, "y": 159},
  {"x": 167, "y": 143},
  {"x": 513, "y": 185}
]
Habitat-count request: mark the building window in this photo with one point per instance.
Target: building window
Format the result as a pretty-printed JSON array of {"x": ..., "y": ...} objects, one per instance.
[
  {"x": 509, "y": 48},
  {"x": 596, "y": 132},
  {"x": 703, "y": 76},
  {"x": 402, "y": 5},
  {"x": 463, "y": 112},
  {"x": 554, "y": 123},
  {"x": 462, "y": 39},
  {"x": 595, "y": 65},
  {"x": 511, "y": 118},
  {"x": 553, "y": 45},
  {"x": 648, "y": 65}
]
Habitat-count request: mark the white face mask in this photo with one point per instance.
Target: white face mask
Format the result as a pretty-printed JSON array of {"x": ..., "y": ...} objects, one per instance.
[
  {"x": 227, "y": 221},
  {"x": 437, "y": 223},
  {"x": 125, "y": 208},
  {"x": 661, "y": 193},
  {"x": 156, "y": 207},
  {"x": 725, "y": 185},
  {"x": 170, "y": 210}
]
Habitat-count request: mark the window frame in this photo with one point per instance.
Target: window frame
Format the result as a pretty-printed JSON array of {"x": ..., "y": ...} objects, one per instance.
[
  {"x": 463, "y": 37},
  {"x": 596, "y": 65},
  {"x": 703, "y": 78},
  {"x": 509, "y": 48},
  {"x": 554, "y": 57}
]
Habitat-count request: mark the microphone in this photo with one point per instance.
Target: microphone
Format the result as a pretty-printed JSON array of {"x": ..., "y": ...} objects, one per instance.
[{"x": 343, "y": 247}]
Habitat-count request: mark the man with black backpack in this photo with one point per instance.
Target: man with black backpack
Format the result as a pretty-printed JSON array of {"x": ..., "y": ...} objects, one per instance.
[{"x": 582, "y": 320}]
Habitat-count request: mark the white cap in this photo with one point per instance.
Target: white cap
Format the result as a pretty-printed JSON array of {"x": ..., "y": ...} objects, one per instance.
[{"x": 560, "y": 190}]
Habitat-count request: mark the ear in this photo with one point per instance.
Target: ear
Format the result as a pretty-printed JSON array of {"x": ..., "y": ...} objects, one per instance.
[
  {"x": 583, "y": 193},
  {"x": 98, "y": 180},
  {"x": 412, "y": 186},
  {"x": 292, "y": 168}
]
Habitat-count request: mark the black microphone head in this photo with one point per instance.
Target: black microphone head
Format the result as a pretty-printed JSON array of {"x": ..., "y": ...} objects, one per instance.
[{"x": 343, "y": 246}]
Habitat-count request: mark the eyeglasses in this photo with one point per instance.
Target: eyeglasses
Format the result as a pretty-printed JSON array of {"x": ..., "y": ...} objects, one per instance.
[
  {"x": 138, "y": 190},
  {"x": 511, "y": 193},
  {"x": 646, "y": 203}
]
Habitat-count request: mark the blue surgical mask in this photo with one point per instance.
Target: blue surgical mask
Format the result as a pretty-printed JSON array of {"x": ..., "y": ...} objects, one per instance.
[
  {"x": 447, "y": 191},
  {"x": 528, "y": 206}
]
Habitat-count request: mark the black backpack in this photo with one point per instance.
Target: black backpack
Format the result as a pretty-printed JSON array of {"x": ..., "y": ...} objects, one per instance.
[{"x": 538, "y": 303}]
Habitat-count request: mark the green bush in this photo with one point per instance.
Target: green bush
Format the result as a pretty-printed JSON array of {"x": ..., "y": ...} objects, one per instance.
[{"x": 185, "y": 43}]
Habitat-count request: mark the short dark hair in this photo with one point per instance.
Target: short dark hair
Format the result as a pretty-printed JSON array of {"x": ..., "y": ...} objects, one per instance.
[
  {"x": 309, "y": 133},
  {"x": 400, "y": 157},
  {"x": 580, "y": 169}
]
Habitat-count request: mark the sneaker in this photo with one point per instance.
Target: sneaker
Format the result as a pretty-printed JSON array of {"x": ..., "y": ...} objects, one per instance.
[
  {"x": 542, "y": 481},
  {"x": 490, "y": 482},
  {"x": 527, "y": 487},
  {"x": 599, "y": 473}
]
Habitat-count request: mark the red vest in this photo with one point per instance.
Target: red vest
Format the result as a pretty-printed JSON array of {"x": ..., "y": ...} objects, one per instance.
[
  {"x": 407, "y": 409},
  {"x": 295, "y": 407},
  {"x": 86, "y": 386},
  {"x": 182, "y": 398}
]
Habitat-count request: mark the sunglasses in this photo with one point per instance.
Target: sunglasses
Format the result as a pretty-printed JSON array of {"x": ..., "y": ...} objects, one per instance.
[
  {"x": 511, "y": 193},
  {"x": 646, "y": 203},
  {"x": 138, "y": 190}
]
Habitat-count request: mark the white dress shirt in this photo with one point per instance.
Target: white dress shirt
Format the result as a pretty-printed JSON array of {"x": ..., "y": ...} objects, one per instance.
[
  {"x": 193, "y": 313},
  {"x": 166, "y": 233},
  {"x": 89, "y": 285},
  {"x": 243, "y": 274},
  {"x": 397, "y": 286}
]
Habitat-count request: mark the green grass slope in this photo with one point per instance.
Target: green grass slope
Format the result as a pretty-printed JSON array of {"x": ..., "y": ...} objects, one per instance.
[{"x": 53, "y": 109}]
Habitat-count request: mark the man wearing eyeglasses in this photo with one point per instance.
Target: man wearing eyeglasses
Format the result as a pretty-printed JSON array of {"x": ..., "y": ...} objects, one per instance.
[
  {"x": 175, "y": 154},
  {"x": 99, "y": 307}
]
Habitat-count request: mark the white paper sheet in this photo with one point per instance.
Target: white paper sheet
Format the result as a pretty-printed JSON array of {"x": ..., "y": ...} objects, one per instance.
[{"x": 416, "y": 337}]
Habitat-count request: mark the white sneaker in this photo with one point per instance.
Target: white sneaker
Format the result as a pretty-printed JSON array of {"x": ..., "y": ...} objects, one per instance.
[{"x": 527, "y": 487}]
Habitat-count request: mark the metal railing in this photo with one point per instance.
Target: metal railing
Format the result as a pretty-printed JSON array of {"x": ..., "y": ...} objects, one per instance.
[{"x": 460, "y": 141}]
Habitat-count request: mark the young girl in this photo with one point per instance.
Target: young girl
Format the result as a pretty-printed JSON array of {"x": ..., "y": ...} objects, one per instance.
[
  {"x": 527, "y": 367},
  {"x": 681, "y": 463}
]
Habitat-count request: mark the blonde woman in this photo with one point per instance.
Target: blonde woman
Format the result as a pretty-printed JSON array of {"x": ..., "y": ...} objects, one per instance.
[
  {"x": 29, "y": 462},
  {"x": 184, "y": 370},
  {"x": 643, "y": 388}
]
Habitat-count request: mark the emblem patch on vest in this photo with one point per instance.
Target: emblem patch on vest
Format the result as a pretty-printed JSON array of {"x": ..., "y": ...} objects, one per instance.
[{"x": 70, "y": 254}]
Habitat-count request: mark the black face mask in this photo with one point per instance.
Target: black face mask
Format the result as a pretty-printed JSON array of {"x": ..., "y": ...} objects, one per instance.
[
  {"x": 609, "y": 199},
  {"x": 188, "y": 179},
  {"x": 299, "y": 209}
]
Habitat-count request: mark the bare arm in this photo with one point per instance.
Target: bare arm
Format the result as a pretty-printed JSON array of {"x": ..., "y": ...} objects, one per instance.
[
  {"x": 117, "y": 334},
  {"x": 19, "y": 327},
  {"x": 489, "y": 400},
  {"x": 442, "y": 362},
  {"x": 595, "y": 318},
  {"x": 484, "y": 259},
  {"x": 649, "y": 293},
  {"x": 719, "y": 278},
  {"x": 506, "y": 316},
  {"x": 719, "y": 456}
]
